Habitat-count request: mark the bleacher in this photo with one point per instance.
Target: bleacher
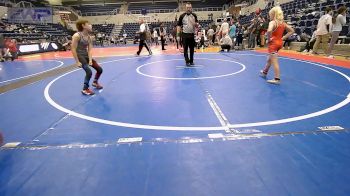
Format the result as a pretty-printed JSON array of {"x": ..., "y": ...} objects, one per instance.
[
  {"x": 97, "y": 9},
  {"x": 132, "y": 28},
  {"x": 23, "y": 36},
  {"x": 153, "y": 6},
  {"x": 103, "y": 28},
  {"x": 205, "y": 23},
  {"x": 53, "y": 31},
  {"x": 208, "y": 3}
]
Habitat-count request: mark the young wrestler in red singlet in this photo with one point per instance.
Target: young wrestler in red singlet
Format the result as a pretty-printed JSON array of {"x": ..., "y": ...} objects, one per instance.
[{"x": 275, "y": 42}]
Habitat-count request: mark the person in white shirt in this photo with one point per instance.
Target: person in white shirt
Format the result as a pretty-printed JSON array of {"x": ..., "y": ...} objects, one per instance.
[
  {"x": 211, "y": 35},
  {"x": 323, "y": 30},
  {"x": 224, "y": 28},
  {"x": 99, "y": 37},
  {"x": 338, "y": 20},
  {"x": 226, "y": 43},
  {"x": 124, "y": 36},
  {"x": 143, "y": 37},
  {"x": 204, "y": 34},
  {"x": 217, "y": 34},
  {"x": 155, "y": 36}
]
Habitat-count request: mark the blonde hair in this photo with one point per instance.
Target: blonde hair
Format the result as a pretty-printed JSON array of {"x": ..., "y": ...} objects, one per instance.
[{"x": 276, "y": 13}]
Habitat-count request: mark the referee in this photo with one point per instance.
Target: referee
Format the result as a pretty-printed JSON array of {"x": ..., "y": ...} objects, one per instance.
[{"x": 188, "y": 21}]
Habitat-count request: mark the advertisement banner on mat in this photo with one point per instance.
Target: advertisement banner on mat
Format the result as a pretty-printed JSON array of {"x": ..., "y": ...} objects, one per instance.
[{"x": 37, "y": 48}]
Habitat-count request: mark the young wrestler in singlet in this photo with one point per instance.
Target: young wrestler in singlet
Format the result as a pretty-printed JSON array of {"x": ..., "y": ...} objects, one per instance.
[
  {"x": 82, "y": 53},
  {"x": 275, "y": 42}
]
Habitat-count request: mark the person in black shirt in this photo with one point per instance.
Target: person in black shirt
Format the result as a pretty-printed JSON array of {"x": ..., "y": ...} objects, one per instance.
[
  {"x": 239, "y": 35},
  {"x": 162, "y": 35},
  {"x": 188, "y": 21}
]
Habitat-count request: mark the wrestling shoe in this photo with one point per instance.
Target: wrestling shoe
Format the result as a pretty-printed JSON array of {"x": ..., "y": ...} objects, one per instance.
[{"x": 87, "y": 92}]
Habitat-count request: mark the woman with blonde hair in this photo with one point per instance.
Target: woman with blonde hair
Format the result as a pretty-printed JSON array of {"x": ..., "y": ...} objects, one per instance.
[{"x": 275, "y": 42}]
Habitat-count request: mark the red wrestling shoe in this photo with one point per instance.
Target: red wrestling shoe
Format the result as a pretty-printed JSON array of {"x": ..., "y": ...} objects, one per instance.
[
  {"x": 97, "y": 85},
  {"x": 87, "y": 92}
]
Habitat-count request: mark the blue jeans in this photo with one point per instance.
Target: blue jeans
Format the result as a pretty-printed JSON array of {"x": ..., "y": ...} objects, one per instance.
[{"x": 88, "y": 72}]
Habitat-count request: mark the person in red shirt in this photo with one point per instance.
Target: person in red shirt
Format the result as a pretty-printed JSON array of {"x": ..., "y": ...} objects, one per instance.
[
  {"x": 275, "y": 42},
  {"x": 12, "y": 46},
  {"x": 11, "y": 49}
]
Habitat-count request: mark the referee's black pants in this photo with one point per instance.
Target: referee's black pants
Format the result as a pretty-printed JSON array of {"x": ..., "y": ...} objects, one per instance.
[{"x": 188, "y": 43}]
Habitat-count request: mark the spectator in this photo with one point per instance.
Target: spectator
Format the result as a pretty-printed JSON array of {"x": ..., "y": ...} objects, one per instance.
[
  {"x": 252, "y": 32},
  {"x": 112, "y": 39},
  {"x": 125, "y": 35},
  {"x": 143, "y": 36},
  {"x": 309, "y": 42},
  {"x": 226, "y": 43},
  {"x": 178, "y": 40},
  {"x": 290, "y": 39},
  {"x": 155, "y": 36},
  {"x": 11, "y": 52},
  {"x": 162, "y": 35},
  {"x": 263, "y": 29},
  {"x": 66, "y": 44},
  {"x": 211, "y": 36},
  {"x": 232, "y": 31},
  {"x": 170, "y": 38},
  {"x": 136, "y": 37},
  {"x": 254, "y": 29},
  {"x": 100, "y": 38},
  {"x": 217, "y": 34},
  {"x": 104, "y": 36},
  {"x": 239, "y": 39},
  {"x": 200, "y": 40},
  {"x": 338, "y": 21},
  {"x": 173, "y": 34},
  {"x": 304, "y": 37},
  {"x": 224, "y": 28},
  {"x": 323, "y": 30},
  {"x": 251, "y": 37},
  {"x": 203, "y": 31}
]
